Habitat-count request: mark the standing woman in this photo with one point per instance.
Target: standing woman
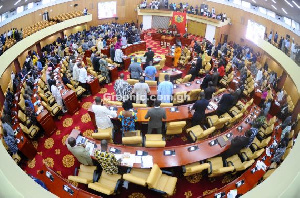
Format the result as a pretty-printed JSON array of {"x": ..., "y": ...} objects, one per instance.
[
  {"x": 177, "y": 55},
  {"x": 127, "y": 117}
]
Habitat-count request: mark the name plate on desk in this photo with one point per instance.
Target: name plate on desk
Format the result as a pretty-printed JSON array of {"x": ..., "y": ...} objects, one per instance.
[
  {"x": 141, "y": 153},
  {"x": 169, "y": 152},
  {"x": 173, "y": 70},
  {"x": 113, "y": 108},
  {"x": 192, "y": 148},
  {"x": 175, "y": 86},
  {"x": 240, "y": 128},
  {"x": 188, "y": 84},
  {"x": 198, "y": 81},
  {"x": 164, "y": 71},
  {"x": 174, "y": 109},
  {"x": 213, "y": 142}
]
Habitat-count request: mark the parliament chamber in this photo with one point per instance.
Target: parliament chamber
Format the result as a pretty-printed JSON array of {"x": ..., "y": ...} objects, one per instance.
[{"x": 185, "y": 159}]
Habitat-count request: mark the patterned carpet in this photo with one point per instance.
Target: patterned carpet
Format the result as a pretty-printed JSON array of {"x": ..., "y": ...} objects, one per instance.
[{"x": 53, "y": 152}]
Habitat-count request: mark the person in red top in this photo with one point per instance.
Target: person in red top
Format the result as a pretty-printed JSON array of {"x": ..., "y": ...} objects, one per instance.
[{"x": 221, "y": 71}]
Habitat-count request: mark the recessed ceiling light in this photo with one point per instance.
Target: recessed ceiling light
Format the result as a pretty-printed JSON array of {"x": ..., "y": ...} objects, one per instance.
[
  {"x": 296, "y": 4},
  {"x": 254, "y": 1},
  {"x": 289, "y": 3},
  {"x": 17, "y": 2},
  {"x": 274, "y": 1},
  {"x": 284, "y": 10},
  {"x": 274, "y": 7}
]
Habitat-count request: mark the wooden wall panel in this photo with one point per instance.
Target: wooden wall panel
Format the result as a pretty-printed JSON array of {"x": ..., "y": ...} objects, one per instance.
[
  {"x": 49, "y": 40},
  {"x": 274, "y": 66},
  {"x": 196, "y": 28},
  {"x": 74, "y": 30},
  {"x": 5, "y": 79}
]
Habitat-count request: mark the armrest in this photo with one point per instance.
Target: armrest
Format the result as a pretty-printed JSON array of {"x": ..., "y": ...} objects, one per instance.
[
  {"x": 244, "y": 156},
  {"x": 230, "y": 162},
  {"x": 128, "y": 170},
  {"x": 225, "y": 169},
  {"x": 183, "y": 169},
  {"x": 133, "y": 179},
  {"x": 193, "y": 136},
  {"x": 210, "y": 167}
]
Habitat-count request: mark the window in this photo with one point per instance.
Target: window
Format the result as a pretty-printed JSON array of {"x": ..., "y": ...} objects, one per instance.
[
  {"x": 246, "y": 4},
  {"x": 30, "y": 5},
  {"x": 287, "y": 21},
  {"x": 271, "y": 14},
  {"x": 295, "y": 25},
  {"x": 262, "y": 10},
  {"x": 255, "y": 31},
  {"x": 20, "y": 9},
  {"x": 237, "y": 2}
]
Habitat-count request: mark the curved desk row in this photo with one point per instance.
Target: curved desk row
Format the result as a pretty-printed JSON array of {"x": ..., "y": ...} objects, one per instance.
[{"x": 182, "y": 155}]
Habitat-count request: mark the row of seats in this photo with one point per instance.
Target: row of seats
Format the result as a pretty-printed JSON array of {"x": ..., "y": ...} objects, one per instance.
[{"x": 155, "y": 178}]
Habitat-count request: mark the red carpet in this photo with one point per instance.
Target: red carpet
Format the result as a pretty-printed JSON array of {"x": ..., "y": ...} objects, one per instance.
[{"x": 53, "y": 152}]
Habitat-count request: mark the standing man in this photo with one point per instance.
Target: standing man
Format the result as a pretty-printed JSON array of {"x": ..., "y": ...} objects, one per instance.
[
  {"x": 156, "y": 115},
  {"x": 141, "y": 89},
  {"x": 83, "y": 78},
  {"x": 112, "y": 52},
  {"x": 225, "y": 103},
  {"x": 199, "y": 107},
  {"x": 177, "y": 55},
  {"x": 76, "y": 71},
  {"x": 206, "y": 80},
  {"x": 215, "y": 77},
  {"x": 149, "y": 56},
  {"x": 135, "y": 69},
  {"x": 80, "y": 152},
  {"x": 102, "y": 114},
  {"x": 122, "y": 89},
  {"x": 150, "y": 72},
  {"x": 95, "y": 62},
  {"x": 107, "y": 160},
  {"x": 165, "y": 90},
  {"x": 208, "y": 92}
]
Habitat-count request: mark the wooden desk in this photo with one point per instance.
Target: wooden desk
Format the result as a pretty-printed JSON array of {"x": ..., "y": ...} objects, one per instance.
[
  {"x": 47, "y": 122},
  {"x": 185, "y": 41},
  {"x": 57, "y": 185},
  {"x": 182, "y": 155},
  {"x": 106, "y": 51},
  {"x": 94, "y": 85},
  {"x": 156, "y": 36},
  {"x": 26, "y": 147},
  {"x": 134, "y": 48},
  {"x": 127, "y": 62},
  {"x": 71, "y": 101},
  {"x": 250, "y": 179},
  {"x": 180, "y": 88}
]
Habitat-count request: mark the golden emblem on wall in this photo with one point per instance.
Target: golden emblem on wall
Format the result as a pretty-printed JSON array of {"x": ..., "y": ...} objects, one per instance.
[
  {"x": 85, "y": 118},
  {"x": 178, "y": 18},
  {"x": 49, "y": 162},
  {"x": 68, "y": 161},
  {"x": 68, "y": 122},
  {"x": 49, "y": 142}
]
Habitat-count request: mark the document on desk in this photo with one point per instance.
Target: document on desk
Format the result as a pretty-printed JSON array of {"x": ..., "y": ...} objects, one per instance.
[
  {"x": 213, "y": 105},
  {"x": 90, "y": 147},
  {"x": 147, "y": 161}
]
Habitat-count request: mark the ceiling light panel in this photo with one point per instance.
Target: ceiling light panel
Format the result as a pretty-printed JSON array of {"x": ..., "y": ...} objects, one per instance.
[{"x": 289, "y": 3}]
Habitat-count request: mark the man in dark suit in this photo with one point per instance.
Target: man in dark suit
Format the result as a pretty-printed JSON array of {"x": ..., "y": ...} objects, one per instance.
[
  {"x": 237, "y": 143},
  {"x": 225, "y": 103},
  {"x": 95, "y": 62},
  {"x": 209, "y": 91},
  {"x": 193, "y": 72},
  {"x": 215, "y": 76},
  {"x": 156, "y": 115},
  {"x": 149, "y": 56},
  {"x": 205, "y": 81},
  {"x": 199, "y": 63},
  {"x": 199, "y": 107}
]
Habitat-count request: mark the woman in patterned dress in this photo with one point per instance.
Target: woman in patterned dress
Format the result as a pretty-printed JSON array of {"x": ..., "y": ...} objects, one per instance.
[{"x": 128, "y": 117}]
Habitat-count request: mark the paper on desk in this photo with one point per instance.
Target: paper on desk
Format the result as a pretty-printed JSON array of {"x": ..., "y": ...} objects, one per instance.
[
  {"x": 261, "y": 165},
  {"x": 118, "y": 156},
  {"x": 128, "y": 159},
  {"x": 232, "y": 193},
  {"x": 147, "y": 161},
  {"x": 213, "y": 105},
  {"x": 90, "y": 147},
  {"x": 138, "y": 159},
  {"x": 268, "y": 152}
]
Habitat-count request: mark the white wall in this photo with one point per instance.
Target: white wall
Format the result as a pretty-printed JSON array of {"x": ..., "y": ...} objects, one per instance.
[{"x": 147, "y": 22}]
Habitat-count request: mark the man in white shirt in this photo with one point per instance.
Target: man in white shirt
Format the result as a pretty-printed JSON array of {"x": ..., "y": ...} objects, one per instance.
[
  {"x": 76, "y": 71},
  {"x": 57, "y": 95},
  {"x": 293, "y": 50},
  {"x": 83, "y": 78},
  {"x": 141, "y": 89},
  {"x": 103, "y": 114}
]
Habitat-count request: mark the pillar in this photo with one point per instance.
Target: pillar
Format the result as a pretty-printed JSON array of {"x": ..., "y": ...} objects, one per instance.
[
  {"x": 39, "y": 49},
  {"x": 2, "y": 98},
  {"x": 62, "y": 35},
  {"x": 281, "y": 80}
]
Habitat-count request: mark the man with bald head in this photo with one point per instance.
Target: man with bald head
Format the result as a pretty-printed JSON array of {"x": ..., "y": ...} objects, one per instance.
[
  {"x": 80, "y": 152},
  {"x": 135, "y": 69},
  {"x": 141, "y": 89},
  {"x": 122, "y": 89}
]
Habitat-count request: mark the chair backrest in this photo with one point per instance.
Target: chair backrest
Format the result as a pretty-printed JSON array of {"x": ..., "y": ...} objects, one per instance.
[
  {"x": 178, "y": 124},
  {"x": 139, "y": 105},
  {"x": 186, "y": 78},
  {"x": 24, "y": 128},
  {"x": 22, "y": 116},
  {"x": 161, "y": 77},
  {"x": 162, "y": 63},
  {"x": 193, "y": 95},
  {"x": 151, "y": 82},
  {"x": 132, "y": 81},
  {"x": 179, "y": 97},
  {"x": 166, "y": 105},
  {"x": 22, "y": 102},
  {"x": 70, "y": 87},
  {"x": 154, "y": 176},
  {"x": 46, "y": 106}
]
